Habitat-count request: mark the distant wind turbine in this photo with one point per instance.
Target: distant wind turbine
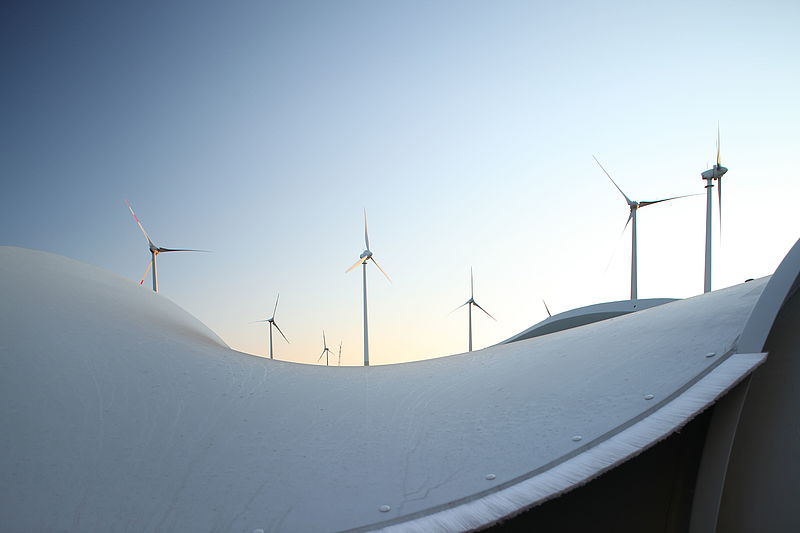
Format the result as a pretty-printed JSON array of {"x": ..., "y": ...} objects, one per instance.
[
  {"x": 714, "y": 173},
  {"x": 365, "y": 256},
  {"x": 634, "y": 205},
  {"x": 340, "y": 353},
  {"x": 325, "y": 350},
  {"x": 272, "y": 323},
  {"x": 470, "y": 303},
  {"x": 154, "y": 251}
]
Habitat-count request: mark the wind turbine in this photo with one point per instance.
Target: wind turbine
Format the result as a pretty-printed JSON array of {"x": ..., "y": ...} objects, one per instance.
[
  {"x": 470, "y": 303},
  {"x": 340, "y": 353},
  {"x": 634, "y": 205},
  {"x": 714, "y": 173},
  {"x": 272, "y": 323},
  {"x": 154, "y": 251},
  {"x": 365, "y": 256},
  {"x": 325, "y": 350}
]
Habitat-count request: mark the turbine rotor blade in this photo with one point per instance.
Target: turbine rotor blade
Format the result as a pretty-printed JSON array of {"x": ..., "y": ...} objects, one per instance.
[
  {"x": 146, "y": 236},
  {"x": 257, "y": 321},
  {"x": 360, "y": 260},
  {"x": 460, "y": 306},
  {"x": 366, "y": 233},
  {"x": 159, "y": 250},
  {"x": 324, "y": 342},
  {"x": 320, "y": 356},
  {"x": 615, "y": 183},
  {"x": 621, "y": 233},
  {"x": 546, "y": 308},
  {"x": 149, "y": 266},
  {"x": 484, "y": 310},
  {"x": 275, "y": 310},
  {"x": 379, "y": 268},
  {"x": 645, "y": 204},
  {"x": 719, "y": 164},
  {"x": 719, "y": 197},
  {"x": 471, "y": 284},
  {"x": 628, "y": 222},
  {"x": 279, "y": 331}
]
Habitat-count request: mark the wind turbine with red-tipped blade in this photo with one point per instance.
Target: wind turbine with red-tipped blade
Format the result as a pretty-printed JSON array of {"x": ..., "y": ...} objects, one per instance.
[
  {"x": 365, "y": 257},
  {"x": 634, "y": 205},
  {"x": 272, "y": 323},
  {"x": 154, "y": 251},
  {"x": 470, "y": 303},
  {"x": 714, "y": 173}
]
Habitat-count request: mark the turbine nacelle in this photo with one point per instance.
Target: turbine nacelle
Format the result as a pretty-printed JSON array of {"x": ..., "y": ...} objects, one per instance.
[
  {"x": 366, "y": 254},
  {"x": 714, "y": 173}
]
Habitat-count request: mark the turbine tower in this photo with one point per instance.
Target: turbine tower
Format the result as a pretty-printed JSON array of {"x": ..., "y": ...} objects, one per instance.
[
  {"x": 154, "y": 251},
  {"x": 714, "y": 173},
  {"x": 634, "y": 205},
  {"x": 325, "y": 350},
  {"x": 272, "y": 324},
  {"x": 365, "y": 256},
  {"x": 470, "y": 303}
]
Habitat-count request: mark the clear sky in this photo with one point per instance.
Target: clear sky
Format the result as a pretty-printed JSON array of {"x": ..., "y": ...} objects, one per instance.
[{"x": 260, "y": 130}]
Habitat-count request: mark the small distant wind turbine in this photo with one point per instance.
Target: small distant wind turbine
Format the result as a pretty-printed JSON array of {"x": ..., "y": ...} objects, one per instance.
[
  {"x": 714, "y": 173},
  {"x": 272, "y": 323},
  {"x": 634, "y": 205},
  {"x": 340, "y": 353},
  {"x": 365, "y": 256},
  {"x": 470, "y": 303},
  {"x": 325, "y": 350},
  {"x": 154, "y": 251}
]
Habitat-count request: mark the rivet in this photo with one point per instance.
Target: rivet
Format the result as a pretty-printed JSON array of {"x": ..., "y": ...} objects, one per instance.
[
  {"x": 711, "y": 354},
  {"x": 384, "y": 508},
  {"x": 490, "y": 476},
  {"x": 576, "y": 438},
  {"x": 648, "y": 396}
]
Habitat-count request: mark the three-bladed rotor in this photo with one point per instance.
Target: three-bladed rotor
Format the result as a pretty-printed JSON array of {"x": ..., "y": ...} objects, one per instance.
[
  {"x": 633, "y": 206},
  {"x": 154, "y": 251},
  {"x": 366, "y": 256},
  {"x": 471, "y": 302},
  {"x": 273, "y": 323},
  {"x": 714, "y": 173},
  {"x": 327, "y": 351}
]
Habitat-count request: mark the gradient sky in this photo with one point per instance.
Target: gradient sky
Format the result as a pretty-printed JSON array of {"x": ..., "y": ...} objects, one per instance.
[{"x": 260, "y": 130}]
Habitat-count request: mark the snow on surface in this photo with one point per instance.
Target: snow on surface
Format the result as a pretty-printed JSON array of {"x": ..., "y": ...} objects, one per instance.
[{"x": 121, "y": 412}]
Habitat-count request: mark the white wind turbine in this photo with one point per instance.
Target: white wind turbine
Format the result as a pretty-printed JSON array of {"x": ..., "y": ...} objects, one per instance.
[
  {"x": 365, "y": 256},
  {"x": 272, "y": 323},
  {"x": 714, "y": 173},
  {"x": 634, "y": 205},
  {"x": 340, "y": 353},
  {"x": 325, "y": 350},
  {"x": 154, "y": 251},
  {"x": 470, "y": 303}
]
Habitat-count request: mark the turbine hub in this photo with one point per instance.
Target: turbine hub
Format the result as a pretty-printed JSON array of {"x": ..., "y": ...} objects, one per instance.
[{"x": 366, "y": 254}]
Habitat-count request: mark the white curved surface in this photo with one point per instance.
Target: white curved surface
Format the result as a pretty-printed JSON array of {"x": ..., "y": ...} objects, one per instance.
[
  {"x": 123, "y": 413},
  {"x": 586, "y": 315}
]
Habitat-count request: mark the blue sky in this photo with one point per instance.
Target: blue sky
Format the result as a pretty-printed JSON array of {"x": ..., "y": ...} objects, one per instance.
[{"x": 260, "y": 130}]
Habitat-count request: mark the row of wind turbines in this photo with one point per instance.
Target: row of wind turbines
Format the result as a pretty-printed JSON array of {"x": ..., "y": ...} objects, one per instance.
[{"x": 714, "y": 174}]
